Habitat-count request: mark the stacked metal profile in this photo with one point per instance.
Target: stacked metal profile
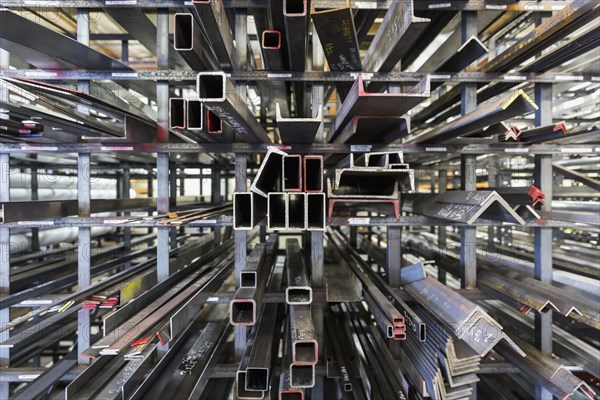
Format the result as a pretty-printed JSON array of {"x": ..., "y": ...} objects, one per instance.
[{"x": 172, "y": 295}]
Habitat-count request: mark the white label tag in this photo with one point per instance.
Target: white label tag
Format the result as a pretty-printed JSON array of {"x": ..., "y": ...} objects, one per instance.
[
  {"x": 40, "y": 74},
  {"x": 568, "y": 78},
  {"x": 517, "y": 150},
  {"x": 29, "y": 376},
  {"x": 120, "y": 2},
  {"x": 212, "y": 299},
  {"x": 441, "y": 76},
  {"x": 35, "y": 223},
  {"x": 515, "y": 77},
  {"x": 277, "y": 75},
  {"x": 359, "y": 221},
  {"x": 495, "y": 6},
  {"x": 38, "y": 301},
  {"x": 360, "y": 148},
  {"x": 39, "y": 148},
  {"x": 577, "y": 150},
  {"x": 365, "y": 4},
  {"x": 121, "y": 148},
  {"x": 125, "y": 74},
  {"x": 440, "y": 5},
  {"x": 436, "y": 149},
  {"x": 207, "y": 221},
  {"x": 115, "y": 221}
]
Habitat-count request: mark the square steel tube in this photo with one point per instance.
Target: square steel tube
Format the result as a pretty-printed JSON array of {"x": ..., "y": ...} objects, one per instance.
[
  {"x": 302, "y": 376},
  {"x": 292, "y": 173},
  {"x": 296, "y": 208},
  {"x": 177, "y": 113},
  {"x": 313, "y": 174},
  {"x": 298, "y": 291},
  {"x": 242, "y": 393},
  {"x": 315, "y": 211},
  {"x": 242, "y": 312},
  {"x": 268, "y": 177},
  {"x": 257, "y": 379},
  {"x": 277, "y": 210}
]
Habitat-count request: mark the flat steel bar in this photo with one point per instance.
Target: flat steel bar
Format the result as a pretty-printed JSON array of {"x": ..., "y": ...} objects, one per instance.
[{"x": 217, "y": 93}]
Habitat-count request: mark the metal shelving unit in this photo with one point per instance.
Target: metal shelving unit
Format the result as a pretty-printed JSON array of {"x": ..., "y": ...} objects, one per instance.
[{"x": 171, "y": 252}]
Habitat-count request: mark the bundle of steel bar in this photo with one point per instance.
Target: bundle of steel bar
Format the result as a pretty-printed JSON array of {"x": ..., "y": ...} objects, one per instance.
[
  {"x": 388, "y": 317},
  {"x": 254, "y": 371},
  {"x": 555, "y": 377},
  {"x": 463, "y": 206},
  {"x": 524, "y": 289},
  {"x": 467, "y": 320},
  {"x": 445, "y": 365},
  {"x": 509, "y": 106},
  {"x": 363, "y": 104},
  {"x": 375, "y": 182}
]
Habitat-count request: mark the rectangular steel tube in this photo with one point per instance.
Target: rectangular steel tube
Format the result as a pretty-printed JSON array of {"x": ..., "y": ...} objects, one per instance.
[
  {"x": 277, "y": 211},
  {"x": 298, "y": 290},
  {"x": 296, "y": 207},
  {"x": 268, "y": 177},
  {"x": 249, "y": 209},
  {"x": 177, "y": 113},
  {"x": 296, "y": 32},
  {"x": 219, "y": 95},
  {"x": 313, "y": 174},
  {"x": 315, "y": 211},
  {"x": 189, "y": 42},
  {"x": 195, "y": 115},
  {"x": 271, "y": 50},
  {"x": 292, "y": 173}
]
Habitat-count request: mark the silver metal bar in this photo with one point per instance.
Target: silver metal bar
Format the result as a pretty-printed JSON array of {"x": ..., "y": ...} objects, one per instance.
[{"x": 217, "y": 93}]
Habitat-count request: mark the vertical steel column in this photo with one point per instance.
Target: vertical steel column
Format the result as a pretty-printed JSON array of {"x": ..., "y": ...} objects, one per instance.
[
  {"x": 4, "y": 266},
  {"x": 492, "y": 170},
  {"x": 318, "y": 90},
  {"x": 468, "y": 248},
  {"x": 173, "y": 200},
  {"x": 241, "y": 168},
  {"x": 150, "y": 193},
  {"x": 162, "y": 135},
  {"x": 126, "y": 231},
  {"x": 84, "y": 201},
  {"x": 35, "y": 232},
  {"x": 241, "y": 238},
  {"x": 125, "y": 52},
  {"x": 543, "y": 236},
  {"x": 442, "y": 183},
  {"x": 4, "y": 241}
]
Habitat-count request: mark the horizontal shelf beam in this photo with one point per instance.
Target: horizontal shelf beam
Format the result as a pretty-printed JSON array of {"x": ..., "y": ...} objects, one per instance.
[
  {"x": 468, "y": 5},
  {"x": 308, "y": 76},
  {"x": 327, "y": 148}
]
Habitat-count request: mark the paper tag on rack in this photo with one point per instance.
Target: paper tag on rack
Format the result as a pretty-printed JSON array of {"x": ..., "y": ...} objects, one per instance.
[
  {"x": 119, "y": 148},
  {"x": 360, "y": 148},
  {"x": 576, "y": 150},
  {"x": 115, "y": 221},
  {"x": 517, "y": 150},
  {"x": 435, "y": 149},
  {"x": 207, "y": 221},
  {"x": 359, "y": 221},
  {"x": 35, "y": 223}
]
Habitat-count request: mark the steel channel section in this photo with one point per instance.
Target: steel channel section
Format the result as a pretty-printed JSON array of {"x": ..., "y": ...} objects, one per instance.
[
  {"x": 313, "y": 174},
  {"x": 213, "y": 18},
  {"x": 467, "y": 53},
  {"x": 396, "y": 35},
  {"x": 268, "y": 177},
  {"x": 177, "y": 113},
  {"x": 298, "y": 291},
  {"x": 295, "y": 211},
  {"x": 217, "y": 93},
  {"x": 292, "y": 173},
  {"x": 361, "y": 103},
  {"x": 298, "y": 130},
  {"x": 190, "y": 43}
]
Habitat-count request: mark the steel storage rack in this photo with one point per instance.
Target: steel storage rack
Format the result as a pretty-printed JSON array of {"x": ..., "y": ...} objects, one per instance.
[{"x": 168, "y": 175}]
